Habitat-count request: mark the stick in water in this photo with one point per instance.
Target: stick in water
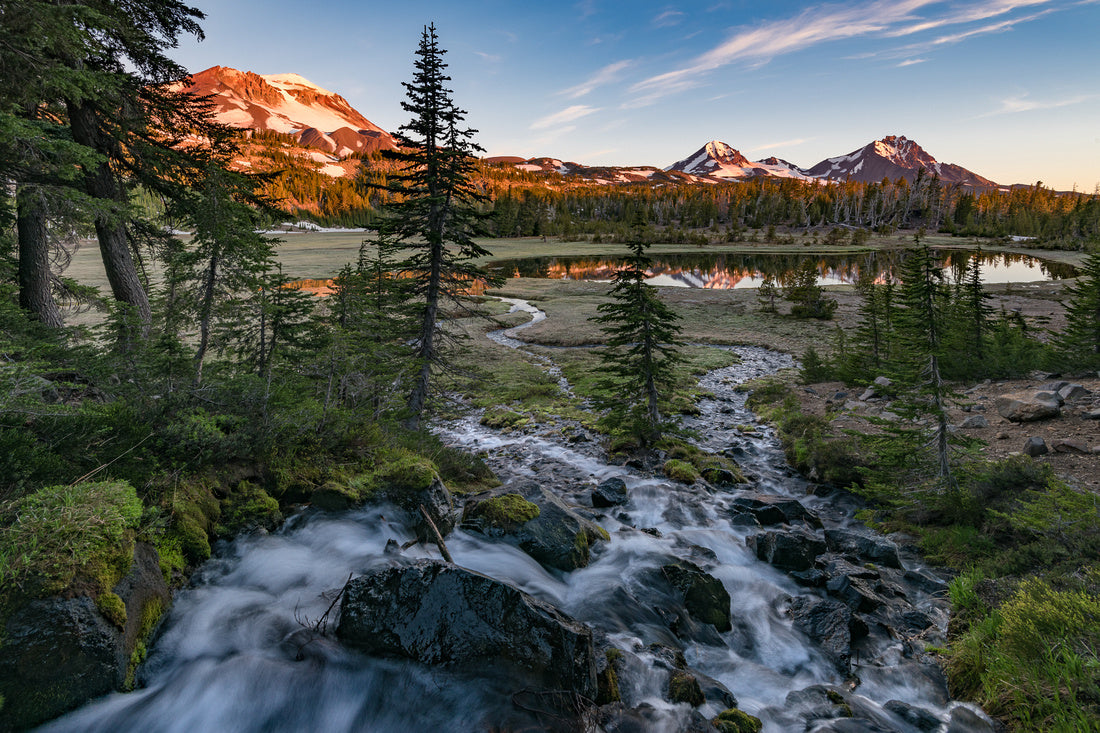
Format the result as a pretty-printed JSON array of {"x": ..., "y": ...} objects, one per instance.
[{"x": 438, "y": 537}]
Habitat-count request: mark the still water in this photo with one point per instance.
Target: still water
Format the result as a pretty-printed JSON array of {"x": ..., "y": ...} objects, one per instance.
[{"x": 730, "y": 271}]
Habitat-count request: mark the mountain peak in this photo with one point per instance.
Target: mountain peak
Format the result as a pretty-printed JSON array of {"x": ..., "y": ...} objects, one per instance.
[{"x": 716, "y": 159}]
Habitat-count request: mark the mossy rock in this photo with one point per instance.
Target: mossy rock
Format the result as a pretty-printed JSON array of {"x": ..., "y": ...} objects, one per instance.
[
  {"x": 504, "y": 512},
  {"x": 403, "y": 473},
  {"x": 683, "y": 687},
  {"x": 58, "y": 533},
  {"x": 607, "y": 680},
  {"x": 681, "y": 471},
  {"x": 246, "y": 507},
  {"x": 736, "y": 721},
  {"x": 112, "y": 607},
  {"x": 335, "y": 496},
  {"x": 704, "y": 596},
  {"x": 503, "y": 419}
]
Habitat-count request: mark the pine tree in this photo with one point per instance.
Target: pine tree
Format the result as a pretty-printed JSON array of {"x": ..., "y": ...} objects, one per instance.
[
  {"x": 808, "y": 297},
  {"x": 766, "y": 294},
  {"x": 642, "y": 348},
  {"x": 435, "y": 207},
  {"x": 1079, "y": 344},
  {"x": 920, "y": 326}
]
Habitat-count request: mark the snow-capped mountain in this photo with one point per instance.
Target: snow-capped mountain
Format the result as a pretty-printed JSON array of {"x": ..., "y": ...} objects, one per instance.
[
  {"x": 719, "y": 161},
  {"x": 290, "y": 104},
  {"x": 715, "y": 159},
  {"x": 893, "y": 157}
]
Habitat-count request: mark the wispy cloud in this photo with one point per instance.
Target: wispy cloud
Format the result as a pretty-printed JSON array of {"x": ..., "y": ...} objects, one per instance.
[
  {"x": 492, "y": 58},
  {"x": 882, "y": 19},
  {"x": 782, "y": 144},
  {"x": 911, "y": 62},
  {"x": 668, "y": 18},
  {"x": 1021, "y": 103},
  {"x": 586, "y": 8},
  {"x": 606, "y": 75},
  {"x": 759, "y": 45},
  {"x": 569, "y": 114}
]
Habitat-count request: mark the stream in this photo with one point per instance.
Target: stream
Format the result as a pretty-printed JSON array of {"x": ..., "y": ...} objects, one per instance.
[{"x": 235, "y": 653}]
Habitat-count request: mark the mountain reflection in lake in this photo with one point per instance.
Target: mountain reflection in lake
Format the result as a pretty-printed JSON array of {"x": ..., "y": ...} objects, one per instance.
[{"x": 728, "y": 271}]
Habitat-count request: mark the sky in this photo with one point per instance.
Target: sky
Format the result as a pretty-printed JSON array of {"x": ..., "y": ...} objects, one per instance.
[{"x": 1007, "y": 88}]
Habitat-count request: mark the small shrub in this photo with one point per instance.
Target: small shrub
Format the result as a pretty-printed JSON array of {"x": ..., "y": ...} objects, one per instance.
[{"x": 681, "y": 471}]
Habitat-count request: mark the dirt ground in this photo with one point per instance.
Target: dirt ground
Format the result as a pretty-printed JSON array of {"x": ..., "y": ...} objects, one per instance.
[{"x": 1002, "y": 437}]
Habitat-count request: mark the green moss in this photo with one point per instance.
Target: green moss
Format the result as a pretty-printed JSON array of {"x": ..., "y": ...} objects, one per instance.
[
  {"x": 171, "y": 559},
  {"x": 683, "y": 687},
  {"x": 245, "y": 507},
  {"x": 681, "y": 471},
  {"x": 607, "y": 682},
  {"x": 403, "y": 471},
  {"x": 501, "y": 418},
  {"x": 112, "y": 608},
  {"x": 50, "y": 536},
  {"x": 507, "y": 511},
  {"x": 736, "y": 721}
]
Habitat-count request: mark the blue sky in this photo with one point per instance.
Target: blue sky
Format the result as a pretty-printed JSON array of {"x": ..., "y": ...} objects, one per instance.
[{"x": 1007, "y": 88}]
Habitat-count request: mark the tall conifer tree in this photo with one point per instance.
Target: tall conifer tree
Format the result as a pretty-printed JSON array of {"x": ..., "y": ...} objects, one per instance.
[
  {"x": 642, "y": 348},
  {"x": 435, "y": 209}
]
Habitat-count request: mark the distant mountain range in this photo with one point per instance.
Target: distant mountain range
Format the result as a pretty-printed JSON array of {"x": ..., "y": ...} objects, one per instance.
[{"x": 324, "y": 121}]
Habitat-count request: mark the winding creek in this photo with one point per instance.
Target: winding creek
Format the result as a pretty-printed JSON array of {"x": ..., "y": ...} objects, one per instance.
[{"x": 235, "y": 653}]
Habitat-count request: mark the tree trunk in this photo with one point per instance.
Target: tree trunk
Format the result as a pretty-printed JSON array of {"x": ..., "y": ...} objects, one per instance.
[
  {"x": 34, "y": 260},
  {"x": 418, "y": 398},
  {"x": 111, "y": 230}
]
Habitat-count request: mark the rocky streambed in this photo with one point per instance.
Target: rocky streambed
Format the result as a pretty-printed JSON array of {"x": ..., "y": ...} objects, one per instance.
[{"x": 583, "y": 596}]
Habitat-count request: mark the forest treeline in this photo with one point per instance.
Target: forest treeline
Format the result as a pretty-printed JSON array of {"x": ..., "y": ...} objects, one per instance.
[{"x": 523, "y": 203}]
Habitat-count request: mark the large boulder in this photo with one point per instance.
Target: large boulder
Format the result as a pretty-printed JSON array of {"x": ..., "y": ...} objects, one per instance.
[
  {"x": 769, "y": 510},
  {"x": 863, "y": 546},
  {"x": 1027, "y": 407},
  {"x": 829, "y": 623},
  {"x": 437, "y": 613},
  {"x": 794, "y": 549},
  {"x": 59, "y": 653},
  {"x": 557, "y": 536},
  {"x": 704, "y": 596}
]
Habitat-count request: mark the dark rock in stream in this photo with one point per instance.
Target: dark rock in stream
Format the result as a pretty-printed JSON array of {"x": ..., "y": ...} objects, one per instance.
[
  {"x": 793, "y": 549},
  {"x": 559, "y": 537},
  {"x": 830, "y": 624},
  {"x": 59, "y": 653},
  {"x": 770, "y": 510},
  {"x": 863, "y": 546},
  {"x": 704, "y": 596},
  {"x": 437, "y": 613},
  {"x": 919, "y": 718},
  {"x": 610, "y": 492}
]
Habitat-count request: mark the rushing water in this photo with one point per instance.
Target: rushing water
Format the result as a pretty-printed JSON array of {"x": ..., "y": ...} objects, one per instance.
[
  {"x": 236, "y": 652},
  {"x": 730, "y": 271}
]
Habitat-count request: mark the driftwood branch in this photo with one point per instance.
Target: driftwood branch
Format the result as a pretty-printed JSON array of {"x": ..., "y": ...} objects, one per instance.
[{"x": 438, "y": 537}]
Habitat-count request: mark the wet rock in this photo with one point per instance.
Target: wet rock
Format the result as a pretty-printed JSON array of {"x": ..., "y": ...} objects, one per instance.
[
  {"x": 683, "y": 687},
  {"x": 1025, "y": 407},
  {"x": 865, "y": 547},
  {"x": 704, "y": 596},
  {"x": 721, "y": 477},
  {"x": 1068, "y": 445},
  {"x": 58, "y": 653},
  {"x": 974, "y": 422},
  {"x": 812, "y": 578},
  {"x": 733, "y": 720},
  {"x": 437, "y": 613},
  {"x": 557, "y": 537},
  {"x": 829, "y": 624},
  {"x": 770, "y": 510},
  {"x": 793, "y": 549},
  {"x": 1035, "y": 446},
  {"x": 919, "y": 718},
  {"x": 610, "y": 492},
  {"x": 965, "y": 720},
  {"x": 437, "y": 500},
  {"x": 855, "y": 725},
  {"x": 818, "y": 702},
  {"x": 924, "y": 581},
  {"x": 856, "y": 593}
]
